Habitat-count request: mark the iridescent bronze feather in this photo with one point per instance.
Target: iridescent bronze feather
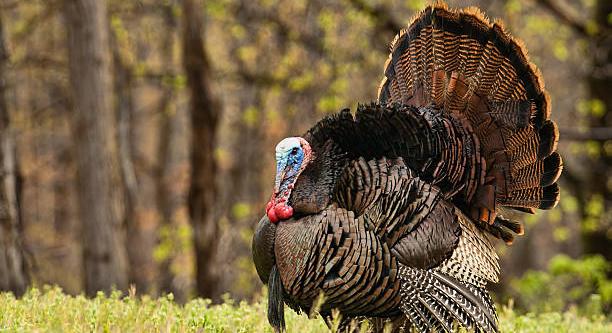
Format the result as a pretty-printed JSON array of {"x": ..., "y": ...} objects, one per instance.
[{"x": 392, "y": 212}]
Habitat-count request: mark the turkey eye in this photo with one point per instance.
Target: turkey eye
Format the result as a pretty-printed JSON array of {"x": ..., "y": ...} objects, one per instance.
[{"x": 294, "y": 151}]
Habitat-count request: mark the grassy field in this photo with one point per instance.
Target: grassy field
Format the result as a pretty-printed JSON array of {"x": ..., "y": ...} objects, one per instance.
[{"x": 50, "y": 310}]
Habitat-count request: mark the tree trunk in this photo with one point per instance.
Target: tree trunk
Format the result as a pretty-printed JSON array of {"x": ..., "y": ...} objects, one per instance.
[
  {"x": 593, "y": 182},
  {"x": 248, "y": 189},
  {"x": 13, "y": 272},
  {"x": 61, "y": 198},
  {"x": 140, "y": 214},
  {"x": 204, "y": 111},
  {"x": 169, "y": 196},
  {"x": 600, "y": 173},
  {"x": 98, "y": 178}
]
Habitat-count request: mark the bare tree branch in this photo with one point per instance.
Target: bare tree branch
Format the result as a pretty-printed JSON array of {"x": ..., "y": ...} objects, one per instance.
[
  {"x": 594, "y": 134},
  {"x": 39, "y": 19},
  {"x": 40, "y": 61},
  {"x": 312, "y": 42},
  {"x": 6, "y": 5},
  {"x": 383, "y": 19},
  {"x": 574, "y": 23}
]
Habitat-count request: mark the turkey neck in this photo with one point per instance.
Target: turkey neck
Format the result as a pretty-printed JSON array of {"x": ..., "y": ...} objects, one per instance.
[{"x": 313, "y": 188}]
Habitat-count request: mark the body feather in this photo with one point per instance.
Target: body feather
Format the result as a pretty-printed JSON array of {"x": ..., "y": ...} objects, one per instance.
[{"x": 392, "y": 217}]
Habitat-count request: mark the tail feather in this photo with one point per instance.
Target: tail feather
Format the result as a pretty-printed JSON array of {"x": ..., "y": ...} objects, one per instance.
[
  {"x": 514, "y": 226},
  {"x": 553, "y": 165},
  {"x": 471, "y": 69},
  {"x": 513, "y": 114},
  {"x": 505, "y": 229},
  {"x": 537, "y": 197},
  {"x": 539, "y": 174},
  {"x": 434, "y": 300},
  {"x": 549, "y": 137}
]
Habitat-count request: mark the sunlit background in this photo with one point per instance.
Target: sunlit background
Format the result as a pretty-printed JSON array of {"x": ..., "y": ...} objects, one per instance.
[{"x": 276, "y": 67}]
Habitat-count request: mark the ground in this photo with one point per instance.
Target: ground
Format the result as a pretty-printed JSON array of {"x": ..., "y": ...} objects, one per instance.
[{"x": 50, "y": 310}]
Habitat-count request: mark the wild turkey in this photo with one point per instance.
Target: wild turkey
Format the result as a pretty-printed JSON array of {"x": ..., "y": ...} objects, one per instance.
[{"x": 387, "y": 212}]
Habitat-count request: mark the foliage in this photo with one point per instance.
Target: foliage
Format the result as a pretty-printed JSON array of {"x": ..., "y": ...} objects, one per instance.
[
  {"x": 581, "y": 283},
  {"x": 278, "y": 66},
  {"x": 52, "y": 310}
]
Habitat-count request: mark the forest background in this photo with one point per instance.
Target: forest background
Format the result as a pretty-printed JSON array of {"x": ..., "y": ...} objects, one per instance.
[{"x": 137, "y": 136}]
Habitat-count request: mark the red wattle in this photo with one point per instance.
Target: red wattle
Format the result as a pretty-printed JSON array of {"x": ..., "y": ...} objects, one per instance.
[
  {"x": 272, "y": 216},
  {"x": 283, "y": 212},
  {"x": 277, "y": 209}
]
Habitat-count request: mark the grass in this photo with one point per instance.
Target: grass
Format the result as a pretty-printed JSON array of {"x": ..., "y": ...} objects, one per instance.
[{"x": 50, "y": 310}]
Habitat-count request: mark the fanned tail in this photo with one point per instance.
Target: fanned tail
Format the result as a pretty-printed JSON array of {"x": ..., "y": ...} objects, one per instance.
[
  {"x": 461, "y": 64},
  {"x": 434, "y": 301}
]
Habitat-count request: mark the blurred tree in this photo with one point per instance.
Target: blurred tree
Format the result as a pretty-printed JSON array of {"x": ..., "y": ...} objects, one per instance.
[
  {"x": 13, "y": 270},
  {"x": 140, "y": 213},
  {"x": 599, "y": 82},
  {"x": 205, "y": 110},
  {"x": 593, "y": 186},
  {"x": 279, "y": 65},
  {"x": 104, "y": 258},
  {"x": 169, "y": 196}
]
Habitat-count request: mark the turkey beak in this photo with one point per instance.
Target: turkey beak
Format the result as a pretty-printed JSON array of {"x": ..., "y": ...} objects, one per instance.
[
  {"x": 279, "y": 179},
  {"x": 277, "y": 182}
]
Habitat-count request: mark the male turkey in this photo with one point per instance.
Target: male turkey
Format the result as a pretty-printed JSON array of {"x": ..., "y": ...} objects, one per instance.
[{"x": 387, "y": 212}]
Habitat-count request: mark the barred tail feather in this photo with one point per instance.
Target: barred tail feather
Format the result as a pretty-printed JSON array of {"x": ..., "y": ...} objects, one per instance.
[{"x": 473, "y": 70}]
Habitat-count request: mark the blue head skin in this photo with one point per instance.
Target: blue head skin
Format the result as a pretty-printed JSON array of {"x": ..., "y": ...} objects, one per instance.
[
  {"x": 292, "y": 156},
  {"x": 289, "y": 159}
]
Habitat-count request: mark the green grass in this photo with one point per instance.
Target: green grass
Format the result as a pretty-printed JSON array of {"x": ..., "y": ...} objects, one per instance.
[{"x": 50, "y": 310}]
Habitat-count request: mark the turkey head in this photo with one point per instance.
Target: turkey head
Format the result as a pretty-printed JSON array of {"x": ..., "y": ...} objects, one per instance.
[
  {"x": 292, "y": 156},
  {"x": 305, "y": 177}
]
